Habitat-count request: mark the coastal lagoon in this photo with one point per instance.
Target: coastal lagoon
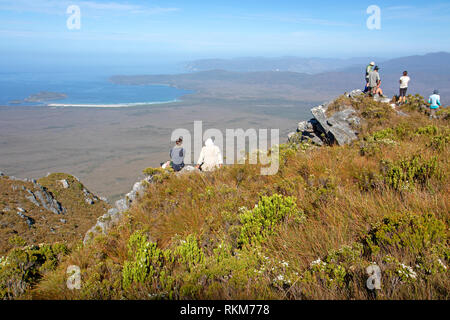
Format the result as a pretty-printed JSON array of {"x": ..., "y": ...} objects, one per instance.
[{"x": 81, "y": 90}]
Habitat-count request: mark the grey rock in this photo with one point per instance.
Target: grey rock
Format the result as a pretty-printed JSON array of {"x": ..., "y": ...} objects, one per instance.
[
  {"x": 114, "y": 215},
  {"x": 355, "y": 93},
  {"x": 1, "y": 174},
  {"x": 321, "y": 118},
  {"x": 63, "y": 220},
  {"x": 341, "y": 116},
  {"x": 32, "y": 198},
  {"x": 122, "y": 205},
  {"x": 305, "y": 126},
  {"x": 187, "y": 169},
  {"x": 382, "y": 99},
  {"x": 30, "y": 221},
  {"x": 340, "y": 130},
  {"x": 48, "y": 202},
  {"x": 342, "y": 134},
  {"x": 64, "y": 183},
  {"x": 313, "y": 138}
]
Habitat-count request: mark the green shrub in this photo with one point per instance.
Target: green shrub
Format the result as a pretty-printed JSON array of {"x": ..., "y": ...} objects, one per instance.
[
  {"x": 416, "y": 234},
  {"x": 189, "y": 253},
  {"x": 147, "y": 261},
  {"x": 23, "y": 267},
  {"x": 403, "y": 174},
  {"x": 158, "y": 174},
  {"x": 440, "y": 142},
  {"x": 414, "y": 103},
  {"x": 265, "y": 217}
]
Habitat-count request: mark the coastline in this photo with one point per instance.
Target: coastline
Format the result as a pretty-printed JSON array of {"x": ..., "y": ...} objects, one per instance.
[{"x": 118, "y": 105}]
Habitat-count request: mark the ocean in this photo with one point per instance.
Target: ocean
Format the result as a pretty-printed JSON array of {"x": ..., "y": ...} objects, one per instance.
[{"x": 89, "y": 89}]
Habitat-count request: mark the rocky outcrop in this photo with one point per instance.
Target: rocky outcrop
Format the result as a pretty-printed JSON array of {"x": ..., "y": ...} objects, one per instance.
[
  {"x": 41, "y": 198},
  {"x": 39, "y": 195},
  {"x": 114, "y": 215},
  {"x": 21, "y": 213},
  {"x": 340, "y": 128}
]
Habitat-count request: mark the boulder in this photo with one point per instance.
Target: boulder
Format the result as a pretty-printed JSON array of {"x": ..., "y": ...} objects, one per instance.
[
  {"x": 42, "y": 198},
  {"x": 64, "y": 183},
  {"x": 342, "y": 134},
  {"x": 122, "y": 205},
  {"x": 355, "y": 93},
  {"x": 305, "y": 126},
  {"x": 319, "y": 114},
  {"x": 313, "y": 138},
  {"x": 382, "y": 99},
  {"x": 188, "y": 169},
  {"x": 30, "y": 221},
  {"x": 48, "y": 202}
]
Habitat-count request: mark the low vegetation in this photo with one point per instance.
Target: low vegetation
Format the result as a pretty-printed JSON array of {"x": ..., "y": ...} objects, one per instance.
[{"x": 309, "y": 232}]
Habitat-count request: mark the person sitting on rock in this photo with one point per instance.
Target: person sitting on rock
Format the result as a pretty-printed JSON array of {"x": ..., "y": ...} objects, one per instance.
[
  {"x": 375, "y": 82},
  {"x": 177, "y": 154},
  {"x": 210, "y": 157},
  {"x": 435, "y": 103}
]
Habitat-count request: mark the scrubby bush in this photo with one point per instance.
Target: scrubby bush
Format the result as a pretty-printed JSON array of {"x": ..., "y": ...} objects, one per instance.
[
  {"x": 402, "y": 175},
  {"x": 264, "y": 218},
  {"x": 158, "y": 174},
  {"x": 23, "y": 267}
]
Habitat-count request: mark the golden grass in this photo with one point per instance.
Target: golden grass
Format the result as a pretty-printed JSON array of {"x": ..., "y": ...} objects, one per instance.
[{"x": 326, "y": 185}]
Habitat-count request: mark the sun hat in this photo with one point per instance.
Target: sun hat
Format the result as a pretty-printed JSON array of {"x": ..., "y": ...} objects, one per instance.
[{"x": 372, "y": 63}]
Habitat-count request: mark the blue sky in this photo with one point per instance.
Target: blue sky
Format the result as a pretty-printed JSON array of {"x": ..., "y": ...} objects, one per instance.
[{"x": 183, "y": 30}]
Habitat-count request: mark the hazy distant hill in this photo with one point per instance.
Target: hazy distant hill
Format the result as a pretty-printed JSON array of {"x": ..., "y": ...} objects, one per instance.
[
  {"x": 428, "y": 72},
  {"x": 254, "y": 64}
]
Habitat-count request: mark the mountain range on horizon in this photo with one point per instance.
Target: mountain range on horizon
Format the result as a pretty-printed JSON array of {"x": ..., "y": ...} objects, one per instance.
[
  {"x": 427, "y": 72},
  {"x": 309, "y": 65}
]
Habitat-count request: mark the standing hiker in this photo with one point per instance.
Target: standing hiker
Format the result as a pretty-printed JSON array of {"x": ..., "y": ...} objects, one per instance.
[
  {"x": 435, "y": 103},
  {"x": 369, "y": 69},
  {"x": 404, "y": 81},
  {"x": 210, "y": 157}
]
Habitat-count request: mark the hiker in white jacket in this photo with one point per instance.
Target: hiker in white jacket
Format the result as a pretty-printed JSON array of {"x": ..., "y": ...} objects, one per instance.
[{"x": 210, "y": 157}]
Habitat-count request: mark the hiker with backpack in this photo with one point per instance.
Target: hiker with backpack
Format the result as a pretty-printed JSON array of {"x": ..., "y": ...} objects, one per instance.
[
  {"x": 369, "y": 69},
  {"x": 404, "y": 81},
  {"x": 435, "y": 102}
]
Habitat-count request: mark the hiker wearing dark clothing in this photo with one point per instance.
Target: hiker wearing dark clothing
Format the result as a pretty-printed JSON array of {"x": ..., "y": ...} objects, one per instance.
[
  {"x": 177, "y": 154},
  {"x": 369, "y": 69}
]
